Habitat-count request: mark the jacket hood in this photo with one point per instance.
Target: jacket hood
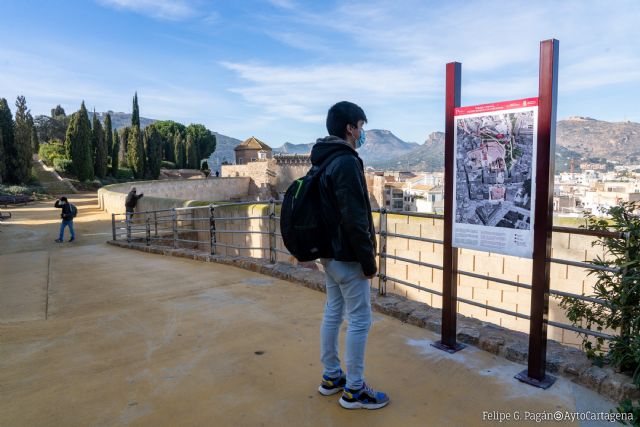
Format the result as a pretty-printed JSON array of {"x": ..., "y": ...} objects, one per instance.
[{"x": 324, "y": 147}]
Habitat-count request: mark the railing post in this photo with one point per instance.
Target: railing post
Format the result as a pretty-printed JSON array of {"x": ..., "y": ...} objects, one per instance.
[
  {"x": 382, "y": 270},
  {"x": 212, "y": 229},
  {"x": 129, "y": 218},
  {"x": 155, "y": 220},
  {"x": 148, "y": 230},
  {"x": 175, "y": 228},
  {"x": 272, "y": 231},
  {"x": 113, "y": 226}
]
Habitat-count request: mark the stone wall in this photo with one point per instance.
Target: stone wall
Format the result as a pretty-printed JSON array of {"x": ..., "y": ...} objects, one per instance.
[
  {"x": 168, "y": 194},
  {"x": 268, "y": 178},
  {"x": 287, "y": 173}
]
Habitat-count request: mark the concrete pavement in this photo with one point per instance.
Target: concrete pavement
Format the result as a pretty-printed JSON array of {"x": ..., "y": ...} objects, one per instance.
[{"x": 96, "y": 335}]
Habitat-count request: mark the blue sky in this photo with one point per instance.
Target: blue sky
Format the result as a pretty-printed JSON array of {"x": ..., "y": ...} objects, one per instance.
[{"x": 272, "y": 68}]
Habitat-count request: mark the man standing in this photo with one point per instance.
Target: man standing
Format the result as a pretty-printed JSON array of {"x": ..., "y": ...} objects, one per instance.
[
  {"x": 67, "y": 219},
  {"x": 347, "y": 214},
  {"x": 131, "y": 201},
  {"x": 130, "y": 205}
]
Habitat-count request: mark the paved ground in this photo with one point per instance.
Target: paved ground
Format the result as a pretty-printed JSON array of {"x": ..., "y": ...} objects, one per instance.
[{"x": 96, "y": 335}]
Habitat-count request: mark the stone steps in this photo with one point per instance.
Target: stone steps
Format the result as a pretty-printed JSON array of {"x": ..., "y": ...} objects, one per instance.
[{"x": 53, "y": 183}]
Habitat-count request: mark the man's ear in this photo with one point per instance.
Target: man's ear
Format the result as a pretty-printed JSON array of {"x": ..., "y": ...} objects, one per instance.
[{"x": 348, "y": 131}]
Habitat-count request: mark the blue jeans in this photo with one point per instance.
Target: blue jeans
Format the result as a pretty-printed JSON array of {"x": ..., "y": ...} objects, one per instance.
[
  {"x": 348, "y": 291},
  {"x": 67, "y": 223}
]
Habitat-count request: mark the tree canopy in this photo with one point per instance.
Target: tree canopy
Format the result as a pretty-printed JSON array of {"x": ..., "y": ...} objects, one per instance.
[
  {"x": 21, "y": 152},
  {"x": 78, "y": 144},
  {"x": 6, "y": 136},
  {"x": 204, "y": 140},
  {"x": 99, "y": 148}
]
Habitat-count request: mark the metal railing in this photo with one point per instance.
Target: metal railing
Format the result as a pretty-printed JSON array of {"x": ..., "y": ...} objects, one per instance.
[
  {"x": 384, "y": 278},
  {"x": 197, "y": 227},
  {"x": 201, "y": 228}
]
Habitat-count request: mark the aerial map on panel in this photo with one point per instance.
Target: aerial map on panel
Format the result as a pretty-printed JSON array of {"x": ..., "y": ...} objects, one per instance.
[{"x": 494, "y": 164}]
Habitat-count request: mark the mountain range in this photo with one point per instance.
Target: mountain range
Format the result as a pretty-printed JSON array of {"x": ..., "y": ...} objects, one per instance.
[
  {"x": 583, "y": 139},
  {"x": 580, "y": 138},
  {"x": 600, "y": 140},
  {"x": 380, "y": 143},
  {"x": 120, "y": 120}
]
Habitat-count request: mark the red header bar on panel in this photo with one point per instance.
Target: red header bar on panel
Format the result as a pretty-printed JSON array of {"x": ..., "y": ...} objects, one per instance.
[{"x": 495, "y": 106}]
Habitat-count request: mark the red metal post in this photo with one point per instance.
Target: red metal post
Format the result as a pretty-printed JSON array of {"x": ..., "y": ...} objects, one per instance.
[
  {"x": 450, "y": 256},
  {"x": 543, "y": 216}
]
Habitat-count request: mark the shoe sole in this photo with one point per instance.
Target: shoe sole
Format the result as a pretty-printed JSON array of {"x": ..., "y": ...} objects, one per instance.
[
  {"x": 360, "y": 405},
  {"x": 329, "y": 392}
]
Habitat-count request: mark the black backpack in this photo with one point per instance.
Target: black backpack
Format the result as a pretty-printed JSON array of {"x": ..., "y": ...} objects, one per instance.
[
  {"x": 303, "y": 230},
  {"x": 73, "y": 209}
]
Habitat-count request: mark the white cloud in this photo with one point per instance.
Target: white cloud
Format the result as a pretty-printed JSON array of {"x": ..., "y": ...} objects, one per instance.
[
  {"x": 284, "y": 4},
  {"x": 170, "y": 10},
  {"x": 397, "y": 52},
  {"x": 304, "y": 93}
]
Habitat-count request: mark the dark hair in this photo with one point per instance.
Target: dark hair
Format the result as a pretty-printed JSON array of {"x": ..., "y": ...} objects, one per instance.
[
  {"x": 342, "y": 114},
  {"x": 63, "y": 199}
]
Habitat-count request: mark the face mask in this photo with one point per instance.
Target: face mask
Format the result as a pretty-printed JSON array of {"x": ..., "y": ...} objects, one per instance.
[{"x": 361, "y": 140}]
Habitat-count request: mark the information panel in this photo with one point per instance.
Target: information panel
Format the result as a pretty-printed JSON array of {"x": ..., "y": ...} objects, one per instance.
[{"x": 494, "y": 188}]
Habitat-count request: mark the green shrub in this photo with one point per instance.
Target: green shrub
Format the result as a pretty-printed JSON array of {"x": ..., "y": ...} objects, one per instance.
[
  {"x": 62, "y": 165},
  {"x": 51, "y": 151},
  {"x": 125, "y": 173},
  {"x": 15, "y": 190},
  {"x": 167, "y": 165},
  {"x": 618, "y": 287}
]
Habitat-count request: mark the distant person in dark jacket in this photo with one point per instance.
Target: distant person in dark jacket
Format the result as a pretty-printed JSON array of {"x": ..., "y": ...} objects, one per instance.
[
  {"x": 131, "y": 202},
  {"x": 67, "y": 219},
  {"x": 347, "y": 214}
]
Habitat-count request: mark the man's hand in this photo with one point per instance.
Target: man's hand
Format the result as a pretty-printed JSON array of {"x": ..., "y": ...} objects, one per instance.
[{"x": 370, "y": 277}]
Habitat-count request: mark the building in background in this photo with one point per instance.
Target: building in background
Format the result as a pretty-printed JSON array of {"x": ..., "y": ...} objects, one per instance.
[{"x": 252, "y": 150}]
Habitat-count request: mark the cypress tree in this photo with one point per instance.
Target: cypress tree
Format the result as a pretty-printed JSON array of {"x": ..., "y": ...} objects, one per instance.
[
  {"x": 135, "y": 155},
  {"x": 78, "y": 144},
  {"x": 124, "y": 139},
  {"x": 178, "y": 144},
  {"x": 7, "y": 131},
  {"x": 153, "y": 149},
  {"x": 35, "y": 143},
  {"x": 22, "y": 143},
  {"x": 2, "y": 158},
  {"x": 115, "y": 154},
  {"x": 99, "y": 149},
  {"x": 135, "y": 115},
  {"x": 108, "y": 135},
  {"x": 192, "y": 152}
]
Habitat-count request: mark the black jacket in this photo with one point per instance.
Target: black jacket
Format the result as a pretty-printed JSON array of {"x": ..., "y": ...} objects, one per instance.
[
  {"x": 131, "y": 201},
  {"x": 345, "y": 203},
  {"x": 66, "y": 214}
]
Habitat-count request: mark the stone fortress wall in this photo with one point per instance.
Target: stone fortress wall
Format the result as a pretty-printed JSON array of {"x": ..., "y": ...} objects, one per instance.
[
  {"x": 167, "y": 194},
  {"x": 269, "y": 177}
]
